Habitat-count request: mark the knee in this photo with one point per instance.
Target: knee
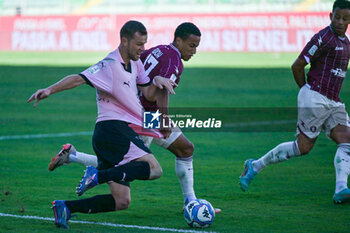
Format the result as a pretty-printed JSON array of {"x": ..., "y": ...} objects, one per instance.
[
  {"x": 344, "y": 139},
  {"x": 305, "y": 148},
  {"x": 186, "y": 151},
  {"x": 158, "y": 172},
  {"x": 122, "y": 203},
  {"x": 305, "y": 144}
]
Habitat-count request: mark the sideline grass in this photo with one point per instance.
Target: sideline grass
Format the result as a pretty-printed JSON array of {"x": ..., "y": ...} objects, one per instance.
[{"x": 294, "y": 196}]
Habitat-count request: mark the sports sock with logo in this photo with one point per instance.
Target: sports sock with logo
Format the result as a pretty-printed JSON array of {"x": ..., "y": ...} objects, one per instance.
[
  {"x": 95, "y": 204},
  {"x": 83, "y": 158},
  {"x": 184, "y": 172},
  {"x": 280, "y": 153},
  {"x": 135, "y": 170},
  {"x": 342, "y": 166}
]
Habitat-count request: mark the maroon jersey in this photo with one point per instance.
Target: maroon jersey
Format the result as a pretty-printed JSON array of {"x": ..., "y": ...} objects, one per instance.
[
  {"x": 162, "y": 60},
  {"x": 329, "y": 58}
]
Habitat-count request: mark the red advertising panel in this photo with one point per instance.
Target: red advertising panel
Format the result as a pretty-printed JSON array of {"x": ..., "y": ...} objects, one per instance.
[
  {"x": 246, "y": 32},
  {"x": 58, "y": 33}
]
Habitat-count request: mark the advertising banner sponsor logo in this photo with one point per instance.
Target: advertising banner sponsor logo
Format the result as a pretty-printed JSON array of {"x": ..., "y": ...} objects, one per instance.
[{"x": 245, "y": 32}]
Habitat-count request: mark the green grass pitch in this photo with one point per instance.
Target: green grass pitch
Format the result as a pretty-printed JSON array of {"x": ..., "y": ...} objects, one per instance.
[{"x": 295, "y": 196}]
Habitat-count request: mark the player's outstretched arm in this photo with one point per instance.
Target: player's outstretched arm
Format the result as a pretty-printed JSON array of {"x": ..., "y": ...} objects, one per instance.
[
  {"x": 66, "y": 83},
  {"x": 298, "y": 69},
  {"x": 150, "y": 91}
]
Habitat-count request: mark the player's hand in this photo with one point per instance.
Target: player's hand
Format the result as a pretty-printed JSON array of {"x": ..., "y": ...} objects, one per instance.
[
  {"x": 166, "y": 83},
  {"x": 39, "y": 95}
]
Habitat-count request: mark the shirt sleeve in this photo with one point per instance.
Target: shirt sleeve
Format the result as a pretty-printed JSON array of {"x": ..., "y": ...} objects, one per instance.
[
  {"x": 313, "y": 49},
  {"x": 100, "y": 76},
  {"x": 142, "y": 77}
]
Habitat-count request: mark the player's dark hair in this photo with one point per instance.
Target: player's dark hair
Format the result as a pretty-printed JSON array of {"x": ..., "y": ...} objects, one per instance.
[
  {"x": 341, "y": 4},
  {"x": 129, "y": 28},
  {"x": 184, "y": 31}
]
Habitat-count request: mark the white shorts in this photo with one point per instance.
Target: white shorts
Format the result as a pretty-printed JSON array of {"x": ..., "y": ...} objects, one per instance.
[
  {"x": 316, "y": 112},
  {"x": 163, "y": 142}
]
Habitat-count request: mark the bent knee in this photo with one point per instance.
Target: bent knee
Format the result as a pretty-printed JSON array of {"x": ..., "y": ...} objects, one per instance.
[
  {"x": 158, "y": 172},
  {"x": 342, "y": 139},
  {"x": 189, "y": 150},
  {"x": 305, "y": 144},
  {"x": 186, "y": 151},
  {"x": 122, "y": 204},
  {"x": 305, "y": 148}
]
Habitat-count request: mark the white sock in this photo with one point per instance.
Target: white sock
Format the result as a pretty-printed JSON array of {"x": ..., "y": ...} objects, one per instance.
[
  {"x": 184, "y": 172},
  {"x": 280, "y": 153},
  {"x": 342, "y": 166},
  {"x": 82, "y": 158}
]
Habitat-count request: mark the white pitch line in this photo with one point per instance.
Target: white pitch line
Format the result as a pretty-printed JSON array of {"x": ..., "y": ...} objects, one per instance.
[{"x": 106, "y": 224}]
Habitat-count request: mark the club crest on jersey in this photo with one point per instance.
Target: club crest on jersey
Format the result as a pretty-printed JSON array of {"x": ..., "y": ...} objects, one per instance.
[
  {"x": 313, "y": 50},
  {"x": 173, "y": 77},
  {"x": 151, "y": 120}
]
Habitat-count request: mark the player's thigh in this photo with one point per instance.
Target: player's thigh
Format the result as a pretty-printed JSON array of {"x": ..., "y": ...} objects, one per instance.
[
  {"x": 312, "y": 112},
  {"x": 338, "y": 124},
  {"x": 341, "y": 134},
  {"x": 121, "y": 195},
  {"x": 182, "y": 147}
]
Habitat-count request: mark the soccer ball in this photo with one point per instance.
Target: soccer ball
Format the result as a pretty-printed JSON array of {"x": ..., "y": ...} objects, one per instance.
[{"x": 199, "y": 213}]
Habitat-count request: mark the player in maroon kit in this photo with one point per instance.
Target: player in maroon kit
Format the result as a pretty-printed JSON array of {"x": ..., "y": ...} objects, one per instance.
[
  {"x": 319, "y": 106},
  {"x": 165, "y": 61}
]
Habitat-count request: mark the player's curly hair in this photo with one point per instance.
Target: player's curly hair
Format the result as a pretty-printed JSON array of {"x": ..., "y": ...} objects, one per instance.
[
  {"x": 129, "y": 28},
  {"x": 341, "y": 4},
  {"x": 184, "y": 31}
]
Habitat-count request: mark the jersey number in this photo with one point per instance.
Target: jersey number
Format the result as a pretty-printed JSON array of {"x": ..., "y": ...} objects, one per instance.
[{"x": 152, "y": 61}]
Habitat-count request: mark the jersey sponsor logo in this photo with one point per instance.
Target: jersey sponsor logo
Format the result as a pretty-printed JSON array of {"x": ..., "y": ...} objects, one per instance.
[
  {"x": 338, "y": 72},
  {"x": 313, "y": 50},
  {"x": 339, "y": 48},
  {"x": 173, "y": 77},
  {"x": 102, "y": 99},
  {"x": 319, "y": 41},
  {"x": 151, "y": 120}
]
